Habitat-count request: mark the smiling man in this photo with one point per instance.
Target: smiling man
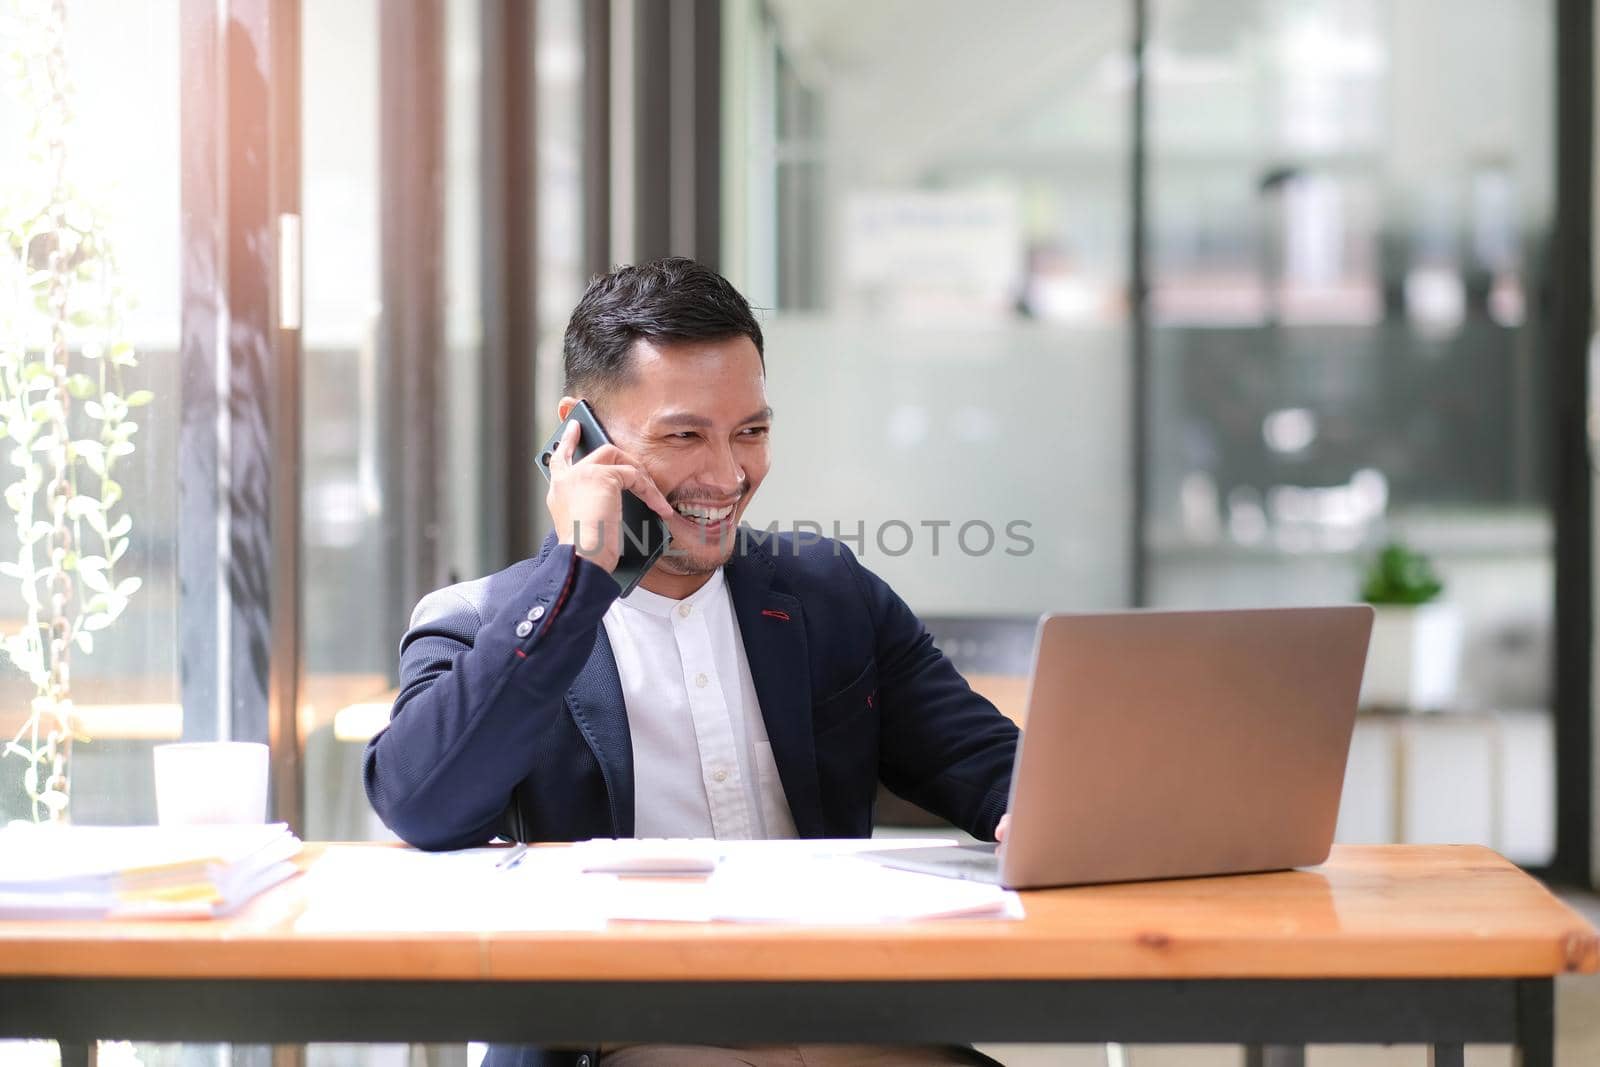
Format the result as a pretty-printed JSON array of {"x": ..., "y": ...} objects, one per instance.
[{"x": 752, "y": 686}]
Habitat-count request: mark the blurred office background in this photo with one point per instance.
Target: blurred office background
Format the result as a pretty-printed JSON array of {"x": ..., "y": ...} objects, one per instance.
[{"x": 1206, "y": 330}]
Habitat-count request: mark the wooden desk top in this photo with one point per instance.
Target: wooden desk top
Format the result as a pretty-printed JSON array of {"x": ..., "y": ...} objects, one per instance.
[{"x": 1370, "y": 912}]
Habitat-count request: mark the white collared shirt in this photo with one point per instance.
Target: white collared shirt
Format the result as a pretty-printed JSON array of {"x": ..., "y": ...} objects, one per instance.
[{"x": 702, "y": 765}]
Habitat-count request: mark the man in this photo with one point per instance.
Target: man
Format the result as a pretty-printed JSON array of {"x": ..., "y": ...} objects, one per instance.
[{"x": 753, "y": 685}]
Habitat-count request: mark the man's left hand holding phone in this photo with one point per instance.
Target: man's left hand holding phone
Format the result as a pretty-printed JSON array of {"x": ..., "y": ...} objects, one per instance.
[{"x": 591, "y": 483}]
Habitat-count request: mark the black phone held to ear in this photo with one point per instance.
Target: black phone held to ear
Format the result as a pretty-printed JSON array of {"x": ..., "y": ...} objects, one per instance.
[{"x": 644, "y": 534}]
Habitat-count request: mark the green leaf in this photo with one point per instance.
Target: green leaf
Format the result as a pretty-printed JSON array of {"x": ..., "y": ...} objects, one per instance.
[
  {"x": 14, "y": 749},
  {"x": 129, "y": 586},
  {"x": 94, "y": 410},
  {"x": 54, "y": 799},
  {"x": 121, "y": 527},
  {"x": 30, "y": 780},
  {"x": 95, "y": 580},
  {"x": 98, "y": 621},
  {"x": 85, "y": 641},
  {"x": 121, "y": 448},
  {"x": 140, "y": 397},
  {"x": 81, "y": 386},
  {"x": 120, "y": 550}
]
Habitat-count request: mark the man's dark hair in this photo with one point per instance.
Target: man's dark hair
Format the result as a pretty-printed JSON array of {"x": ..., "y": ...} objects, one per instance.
[{"x": 665, "y": 300}]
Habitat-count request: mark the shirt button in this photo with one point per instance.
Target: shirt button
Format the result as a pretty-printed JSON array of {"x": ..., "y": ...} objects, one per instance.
[
  {"x": 684, "y": 610},
  {"x": 536, "y": 613},
  {"x": 524, "y": 628},
  {"x": 701, "y": 681},
  {"x": 720, "y": 776}
]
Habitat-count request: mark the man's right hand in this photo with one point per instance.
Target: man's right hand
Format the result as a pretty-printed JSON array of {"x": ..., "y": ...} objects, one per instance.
[{"x": 585, "y": 498}]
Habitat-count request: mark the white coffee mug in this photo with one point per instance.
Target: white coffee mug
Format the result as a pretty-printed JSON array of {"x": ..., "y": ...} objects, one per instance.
[{"x": 203, "y": 782}]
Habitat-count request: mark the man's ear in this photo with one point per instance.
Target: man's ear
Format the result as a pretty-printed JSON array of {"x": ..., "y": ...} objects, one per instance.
[{"x": 564, "y": 408}]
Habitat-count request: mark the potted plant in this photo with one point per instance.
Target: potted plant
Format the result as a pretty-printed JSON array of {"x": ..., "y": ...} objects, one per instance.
[
  {"x": 1415, "y": 654},
  {"x": 65, "y": 417}
]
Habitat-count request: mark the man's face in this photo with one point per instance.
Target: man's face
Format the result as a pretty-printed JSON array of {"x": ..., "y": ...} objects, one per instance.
[{"x": 694, "y": 415}]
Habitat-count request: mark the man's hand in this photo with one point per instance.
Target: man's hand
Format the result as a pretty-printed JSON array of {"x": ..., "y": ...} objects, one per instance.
[
  {"x": 1002, "y": 828},
  {"x": 585, "y": 498}
]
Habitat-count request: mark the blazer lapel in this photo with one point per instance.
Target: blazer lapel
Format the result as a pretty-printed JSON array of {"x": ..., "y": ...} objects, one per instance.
[
  {"x": 597, "y": 706},
  {"x": 774, "y": 634}
]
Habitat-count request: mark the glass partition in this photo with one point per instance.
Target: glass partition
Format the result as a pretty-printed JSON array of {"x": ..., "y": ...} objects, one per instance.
[
  {"x": 121, "y": 167},
  {"x": 931, "y": 205},
  {"x": 1350, "y": 204}
]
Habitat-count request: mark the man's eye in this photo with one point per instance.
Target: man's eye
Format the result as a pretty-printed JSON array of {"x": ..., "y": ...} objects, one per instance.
[
  {"x": 755, "y": 431},
  {"x": 682, "y": 435}
]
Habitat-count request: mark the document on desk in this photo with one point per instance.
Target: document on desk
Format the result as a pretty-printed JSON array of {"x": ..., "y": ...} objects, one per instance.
[
  {"x": 800, "y": 882},
  {"x": 372, "y": 888},
  {"x": 585, "y": 885}
]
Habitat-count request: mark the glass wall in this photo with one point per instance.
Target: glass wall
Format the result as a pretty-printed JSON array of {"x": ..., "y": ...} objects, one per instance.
[
  {"x": 931, "y": 205},
  {"x": 1350, "y": 202},
  {"x": 348, "y": 660},
  {"x": 122, "y": 327}
]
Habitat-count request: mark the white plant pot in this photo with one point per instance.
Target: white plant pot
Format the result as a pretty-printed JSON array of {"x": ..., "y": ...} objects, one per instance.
[{"x": 1414, "y": 659}]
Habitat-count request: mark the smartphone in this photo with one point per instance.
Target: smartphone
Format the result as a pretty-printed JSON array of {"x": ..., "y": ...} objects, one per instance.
[{"x": 644, "y": 533}]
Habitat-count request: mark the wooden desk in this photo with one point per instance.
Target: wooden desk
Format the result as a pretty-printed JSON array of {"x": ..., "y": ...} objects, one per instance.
[{"x": 1423, "y": 944}]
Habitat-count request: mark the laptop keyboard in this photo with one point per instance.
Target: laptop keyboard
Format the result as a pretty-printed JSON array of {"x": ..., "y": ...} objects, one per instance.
[{"x": 975, "y": 863}]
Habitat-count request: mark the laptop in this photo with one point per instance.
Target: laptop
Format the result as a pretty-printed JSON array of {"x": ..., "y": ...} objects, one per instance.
[{"x": 1174, "y": 744}]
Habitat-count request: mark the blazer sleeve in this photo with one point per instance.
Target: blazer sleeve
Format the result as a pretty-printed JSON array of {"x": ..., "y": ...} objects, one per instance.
[
  {"x": 477, "y": 690},
  {"x": 941, "y": 746}
]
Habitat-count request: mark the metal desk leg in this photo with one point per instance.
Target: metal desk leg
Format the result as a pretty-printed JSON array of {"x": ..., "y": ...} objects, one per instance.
[
  {"x": 1274, "y": 1056},
  {"x": 1536, "y": 1023},
  {"x": 1447, "y": 1055},
  {"x": 77, "y": 1053}
]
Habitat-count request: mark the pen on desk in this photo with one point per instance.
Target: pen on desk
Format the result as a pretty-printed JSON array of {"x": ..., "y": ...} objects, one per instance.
[{"x": 513, "y": 857}]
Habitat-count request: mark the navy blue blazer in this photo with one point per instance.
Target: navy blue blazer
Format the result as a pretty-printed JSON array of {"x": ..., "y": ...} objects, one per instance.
[
  {"x": 511, "y": 722},
  {"x": 520, "y": 731}
]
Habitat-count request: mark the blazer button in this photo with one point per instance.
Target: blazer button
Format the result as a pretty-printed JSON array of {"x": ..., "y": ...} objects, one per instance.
[
  {"x": 536, "y": 613},
  {"x": 583, "y": 1061},
  {"x": 524, "y": 628}
]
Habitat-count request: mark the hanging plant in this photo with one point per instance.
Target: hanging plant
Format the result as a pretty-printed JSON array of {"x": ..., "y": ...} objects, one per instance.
[{"x": 65, "y": 420}]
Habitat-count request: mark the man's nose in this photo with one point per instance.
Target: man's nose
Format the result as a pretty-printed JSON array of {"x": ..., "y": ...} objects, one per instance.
[{"x": 724, "y": 472}]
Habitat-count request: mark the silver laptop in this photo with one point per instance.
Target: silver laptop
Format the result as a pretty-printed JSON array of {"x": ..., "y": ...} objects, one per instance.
[{"x": 1171, "y": 744}]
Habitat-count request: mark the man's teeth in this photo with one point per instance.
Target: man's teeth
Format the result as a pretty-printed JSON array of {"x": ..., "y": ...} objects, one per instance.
[{"x": 708, "y": 515}]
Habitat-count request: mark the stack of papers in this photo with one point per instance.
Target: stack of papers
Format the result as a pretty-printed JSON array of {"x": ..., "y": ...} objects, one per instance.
[{"x": 139, "y": 872}]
